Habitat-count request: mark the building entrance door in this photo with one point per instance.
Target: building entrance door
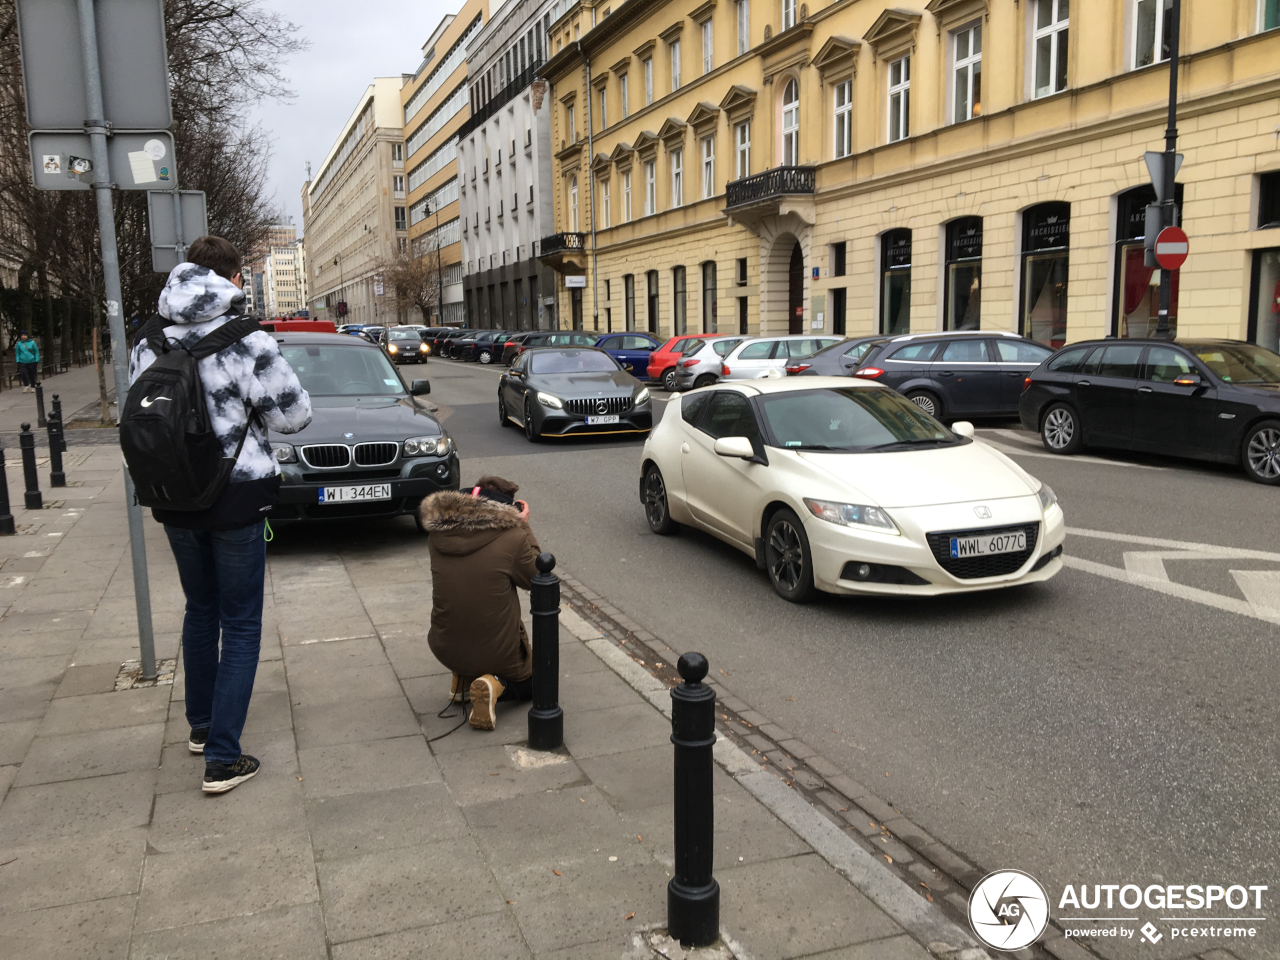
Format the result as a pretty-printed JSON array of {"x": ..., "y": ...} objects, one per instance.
[{"x": 795, "y": 291}]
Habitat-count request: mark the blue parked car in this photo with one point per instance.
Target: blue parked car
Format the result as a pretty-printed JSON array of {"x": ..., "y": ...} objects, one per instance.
[{"x": 631, "y": 350}]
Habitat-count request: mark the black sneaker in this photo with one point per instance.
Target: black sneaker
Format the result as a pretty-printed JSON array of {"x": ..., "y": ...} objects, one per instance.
[
  {"x": 221, "y": 777},
  {"x": 197, "y": 740}
]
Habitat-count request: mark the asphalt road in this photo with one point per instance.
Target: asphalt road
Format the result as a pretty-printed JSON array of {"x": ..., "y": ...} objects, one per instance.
[{"x": 1087, "y": 730}]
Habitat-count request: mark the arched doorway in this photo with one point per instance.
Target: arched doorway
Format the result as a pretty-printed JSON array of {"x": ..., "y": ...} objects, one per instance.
[{"x": 795, "y": 291}]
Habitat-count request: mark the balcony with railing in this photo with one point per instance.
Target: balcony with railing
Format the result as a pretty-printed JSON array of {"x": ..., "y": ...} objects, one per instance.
[
  {"x": 770, "y": 186},
  {"x": 564, "y": 252}
]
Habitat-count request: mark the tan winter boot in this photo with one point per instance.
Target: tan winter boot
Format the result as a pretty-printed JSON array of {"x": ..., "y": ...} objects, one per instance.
[
  {"x": 459, "y": 689},
  {"x": 485, "y": 692}
]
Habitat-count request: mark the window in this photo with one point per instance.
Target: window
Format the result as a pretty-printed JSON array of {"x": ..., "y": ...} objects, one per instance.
[
  {"x": 742, "y": 271},
  {"x": 1049, "y": 47},
  {"x": 402, "y": 219},
  {"x": 839, "y": 310},
  {"x": 397, "y": 152},
  {"x": 623, "y": 96},
  {"x": 1269, "y": 199},
  {"x": 730, "y": 416},
  {"x": 1046, "y": 236},
  {"x": 742, "y": 149},
  {"x": 573, "y": 205},
  {"x": 895, "y": 293},
  {"x": 606, "y": 211},
  {"x": 626, "y": 197},
  {"x": 604, "y": 108},
  {"x": 651, "y": 283},
  {"x": 968, "y": 73},
  {"x": 679, "y": 317},
  {"x": 691, "y": 407},
  {"x": 709, "y": 297},
  {"x": 969, "y": 350},
  {"x": 838, "y": 258},
  {"x": 708, "y": 167},
  {"x": 964, "y": 274},
  {"x": 677, "y": 178},
  {"x": 570, "y": 124},
  {"x": 1152, "y": 24},
  {"x": 743, "y": 9},
  {"x": 1137, "y": 295},
  {"x": 675, "y": 65},
  {"x": 648, "y": 81},
  {"x": 650, "y": 187},
  {"x": 1270, "y": 14},
  {"x": 788, "y": 14},
  {"x": 1165, "y": 365},
  {"x": 708, "y": 52},
  {"x": 397, "y": 186},
  {"x": 844, "y": 118},
  {"x": 899, "y": 99},
  {"x": 606, "y": 289},
  {"x": 629, "y": 298},
  {"x": 791, "y": 124},
  {"x": 1264, "y": 300}
]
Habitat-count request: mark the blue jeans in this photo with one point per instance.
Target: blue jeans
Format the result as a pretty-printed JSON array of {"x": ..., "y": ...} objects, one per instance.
[{"x": 222, "y": 574}]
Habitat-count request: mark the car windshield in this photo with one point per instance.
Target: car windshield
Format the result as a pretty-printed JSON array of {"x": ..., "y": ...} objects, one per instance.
[
  {"x": 850, "y": 419},
  {"x": 339, "y": 370},
  {"x": 405, "y": 335},
  {"x": 571, "y": 361},
  {"x": 1240, "y": 362}
]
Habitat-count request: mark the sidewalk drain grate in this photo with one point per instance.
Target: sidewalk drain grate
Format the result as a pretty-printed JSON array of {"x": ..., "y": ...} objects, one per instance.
[{"x": 130, "y": 675}]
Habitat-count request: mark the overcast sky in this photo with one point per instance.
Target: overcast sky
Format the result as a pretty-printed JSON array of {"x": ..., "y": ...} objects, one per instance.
[{"x": 351, "y": 43}]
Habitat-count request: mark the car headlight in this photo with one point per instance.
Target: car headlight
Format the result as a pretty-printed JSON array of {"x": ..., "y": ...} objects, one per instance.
[
  {"x": 1047, "y": 497},
  {"x": 547, "y": 400},
  {"x": 428, "y": 447},
  {"x": 642, "y": 396},
  {"x": 284, "y": 453},
  {"x": 392, "y": 348},
  {"x": 851, "y": 515},
  {"x": 424, "y": 349}
]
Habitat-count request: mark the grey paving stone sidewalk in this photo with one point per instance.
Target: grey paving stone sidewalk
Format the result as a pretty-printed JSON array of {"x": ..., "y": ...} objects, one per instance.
[{"x": 371, "y": 831}]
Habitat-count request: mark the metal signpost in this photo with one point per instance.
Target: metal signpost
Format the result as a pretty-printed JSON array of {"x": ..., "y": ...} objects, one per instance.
[
  {"x": 1172, "y": 248},
  {"x": 177, "y": 218},
  {"x": 1165, "y": 187},
  {"x": 96, "y": 73}
]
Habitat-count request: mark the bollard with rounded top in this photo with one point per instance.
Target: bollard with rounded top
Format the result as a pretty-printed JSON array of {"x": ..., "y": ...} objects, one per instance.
[
  {"x": 56, "y": 477},
  {"x": 546, "y": 719},
  {"x": 40, "y": 417},
  {"x": 27, "y": 441},
  {"x": 57, "y": 412},
  {"x": 6, "y": 514},
  {"x": 693, "y": 896}
]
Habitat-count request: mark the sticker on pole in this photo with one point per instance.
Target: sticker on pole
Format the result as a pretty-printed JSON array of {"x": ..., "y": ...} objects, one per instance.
[{"x": 1171, "y": 248}]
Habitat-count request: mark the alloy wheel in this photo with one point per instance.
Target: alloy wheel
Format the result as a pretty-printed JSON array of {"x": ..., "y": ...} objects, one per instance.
[
  {"x": 1264, "y": 454},
  {"x": 787, "y": 562},
  {"x": 486, "y": 356},
  {"x": 655, "y": 499},
  {"x": 1059, "y": 428},
  {"x": 669, "y": 381},
  {"x": 925, "y": 403}
]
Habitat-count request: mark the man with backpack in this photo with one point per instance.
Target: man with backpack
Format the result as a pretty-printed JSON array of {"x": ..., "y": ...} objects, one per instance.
[{"x": 205, "y": 387}]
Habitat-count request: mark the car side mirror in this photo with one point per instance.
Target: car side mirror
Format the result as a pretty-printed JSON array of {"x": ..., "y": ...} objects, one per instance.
[
  {"x": 420, "y": 387},
  {"x": 962, "y": 428},
  {"x": 739, "y": 447},
  {"x": 1188, "y": 380}
]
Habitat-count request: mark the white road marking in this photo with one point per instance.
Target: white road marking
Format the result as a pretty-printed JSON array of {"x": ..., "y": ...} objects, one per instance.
[
  {"x": 1261, "y": 588},
  {"x": 1217, "y": 551},
  {"x": 1030, "y": 439},
  {"x": 1076, "y": 458}
]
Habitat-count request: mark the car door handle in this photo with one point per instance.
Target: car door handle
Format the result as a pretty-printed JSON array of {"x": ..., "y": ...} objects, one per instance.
[
  {"x": 684, "y": 448},
  {"x": 1083, "y": 383},
  {"x": 1144, "y": 389},
  {"x": 944, "y": 373}
]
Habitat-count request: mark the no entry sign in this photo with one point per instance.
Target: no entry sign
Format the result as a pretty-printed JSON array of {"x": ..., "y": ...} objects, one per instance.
[{"x": 1171, "y": 248}]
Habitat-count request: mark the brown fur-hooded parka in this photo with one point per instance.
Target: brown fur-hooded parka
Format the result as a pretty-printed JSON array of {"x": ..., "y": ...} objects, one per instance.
[{"x": 480, "y": 552}]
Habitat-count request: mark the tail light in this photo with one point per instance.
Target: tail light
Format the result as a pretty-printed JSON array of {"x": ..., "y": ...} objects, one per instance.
[
  {"x": 1026, "y": 382},
  {"x": 871, "y": 372},
  {"x": 724, "y": 370},
  {"x": 795, "y": 368},
  {"x": 689, "y": 363}
]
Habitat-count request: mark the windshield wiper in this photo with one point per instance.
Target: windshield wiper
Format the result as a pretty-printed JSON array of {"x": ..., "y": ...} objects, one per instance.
[
  {"x": 909, "y": 443},
  {"x": 812, "y": 446}
]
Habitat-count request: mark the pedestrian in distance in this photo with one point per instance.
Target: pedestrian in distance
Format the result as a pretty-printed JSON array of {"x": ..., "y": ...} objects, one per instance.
[
  {"x": 26, "y": 352},
  {"x": 481, "y": 550},
  {"x": 239, "y": 386}
]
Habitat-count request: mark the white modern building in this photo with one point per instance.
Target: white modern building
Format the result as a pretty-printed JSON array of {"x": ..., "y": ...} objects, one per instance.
[{"x": 504, "y": 172}]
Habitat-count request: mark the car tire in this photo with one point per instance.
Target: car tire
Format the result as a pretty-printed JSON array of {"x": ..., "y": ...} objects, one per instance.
[
  {"x": 706, "y": 380},
  {"x": 1060, "y": 430},
  {"x": 656, "y": 509},
  {"x": 531, "y": 432},
  {"x": 504, "y": 419},
  {"x": 927, "y": 401},
  {"x": 1260, "y": 452},
  {"x": 669, "y": 381},
  {"x": 788, "y": 559},
  {"x": 486, "y": 356}
]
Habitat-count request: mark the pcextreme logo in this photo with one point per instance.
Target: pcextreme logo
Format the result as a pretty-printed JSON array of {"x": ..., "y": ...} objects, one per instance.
[{"x": 1008, "y": 910}]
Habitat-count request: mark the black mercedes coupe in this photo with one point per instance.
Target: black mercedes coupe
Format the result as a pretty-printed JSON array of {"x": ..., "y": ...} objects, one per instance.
[{"x": 566, "y": 391}]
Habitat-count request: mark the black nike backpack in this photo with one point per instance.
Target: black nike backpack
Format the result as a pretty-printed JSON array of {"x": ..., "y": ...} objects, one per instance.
[{"x": 170, "y": 448}]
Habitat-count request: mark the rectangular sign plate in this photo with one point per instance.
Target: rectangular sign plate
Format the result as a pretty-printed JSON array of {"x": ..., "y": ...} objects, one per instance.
[
  {"x": 987, "y": 545},
  {"x": 139, "y": 161},
  {"x": 350, "y": 494}
]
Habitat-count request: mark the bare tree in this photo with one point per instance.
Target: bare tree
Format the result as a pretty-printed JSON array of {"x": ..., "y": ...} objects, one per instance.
[{"x": 412, "y": 283}]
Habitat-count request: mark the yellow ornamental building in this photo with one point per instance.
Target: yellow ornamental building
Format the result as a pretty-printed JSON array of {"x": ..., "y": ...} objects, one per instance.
[{"x": 773, "y": 166}]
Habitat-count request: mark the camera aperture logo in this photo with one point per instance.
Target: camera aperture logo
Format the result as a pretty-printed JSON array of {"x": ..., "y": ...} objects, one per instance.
[{"x": 1008, "y": 910}]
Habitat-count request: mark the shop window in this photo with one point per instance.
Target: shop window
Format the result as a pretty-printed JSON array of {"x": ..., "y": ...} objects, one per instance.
[
  {"x": 1046, "y": 239},
  {"x": 838, "y": 306},
  {"x": 709, "y": 297},
  {"x": 651, "y": 283},
  {"x": 895, "y": 289},
  {"x": 1269, "y": 198},
  {"x": 964, "y": 274},
  {"x": 679, "y": 314},
  {"x": 1137, "y": 290},
  {"x": 629, "y": 299},
  {"x": 1264, "y": 300}
]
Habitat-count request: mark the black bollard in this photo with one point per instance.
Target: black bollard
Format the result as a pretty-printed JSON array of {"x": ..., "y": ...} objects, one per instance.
[
  {"x": 6, "y": 515},
  {"x": 546, "y": 719},
  {"x": 56, "y": 477},
  {"x": 40, "y": 417},
  {"x": 693, "y": 896},
  {"x": 27, "y": 441},
  {"x": 57, "y": 412}
]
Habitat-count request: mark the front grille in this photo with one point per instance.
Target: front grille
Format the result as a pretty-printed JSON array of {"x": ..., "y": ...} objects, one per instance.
[
  {"x": 376, "y": 454},
  {"x": 601, "y": 405},
  {"x": 349, "y": 475},
  {"x": 326, "y": 456},
  {"x": 973, "y": 568}
]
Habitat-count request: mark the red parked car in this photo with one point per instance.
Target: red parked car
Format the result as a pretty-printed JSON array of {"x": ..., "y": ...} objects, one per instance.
[{"x": 662, "y": 362}]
